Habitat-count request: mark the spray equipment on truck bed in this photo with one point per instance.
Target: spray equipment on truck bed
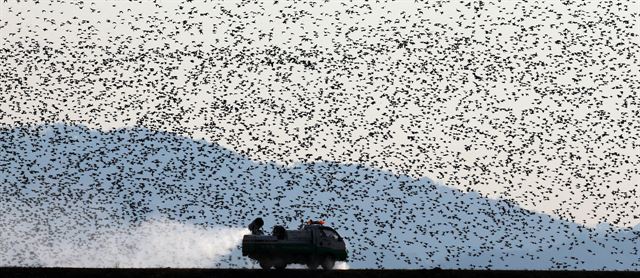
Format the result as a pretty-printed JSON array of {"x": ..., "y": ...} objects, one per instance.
[{"x": 256, "y": 226}]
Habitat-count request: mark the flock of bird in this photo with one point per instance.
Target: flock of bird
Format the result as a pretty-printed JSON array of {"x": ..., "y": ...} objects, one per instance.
[{"x": 486, "y": 134}]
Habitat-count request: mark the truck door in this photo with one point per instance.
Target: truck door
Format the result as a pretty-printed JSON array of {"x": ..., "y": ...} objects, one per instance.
[{"x": 329, "y": 239}]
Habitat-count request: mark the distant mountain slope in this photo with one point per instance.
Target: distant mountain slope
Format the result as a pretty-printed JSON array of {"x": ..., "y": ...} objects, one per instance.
[{"x": 61, "y": 183}]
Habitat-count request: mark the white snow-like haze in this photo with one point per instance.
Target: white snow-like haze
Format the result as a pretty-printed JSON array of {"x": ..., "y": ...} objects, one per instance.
[{"x": 154, "y": 243}]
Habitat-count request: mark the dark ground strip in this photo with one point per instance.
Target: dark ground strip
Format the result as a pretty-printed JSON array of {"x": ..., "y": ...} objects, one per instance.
[{"x": 173, "y": 272}]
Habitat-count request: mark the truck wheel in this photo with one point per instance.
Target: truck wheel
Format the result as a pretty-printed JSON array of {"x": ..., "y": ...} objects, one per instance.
[
  {"x": 328, "y": 262},
  {"x": 281, "y": 266},
  {"x": 265, "y": 264},
  {"x": 313, "y": 263}
]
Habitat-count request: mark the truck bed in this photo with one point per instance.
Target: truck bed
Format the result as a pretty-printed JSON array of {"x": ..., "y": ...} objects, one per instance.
[{"x": 264, "y": 244}]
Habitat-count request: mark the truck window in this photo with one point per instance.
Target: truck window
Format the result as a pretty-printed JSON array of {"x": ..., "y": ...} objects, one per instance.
[
  {"x": 322, "y": 233},
  {"x": 330, "y": 234}
]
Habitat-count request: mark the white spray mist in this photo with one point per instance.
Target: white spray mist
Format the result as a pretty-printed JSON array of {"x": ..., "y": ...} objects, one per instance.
[
  {"x": 157, "y": 243},
  {"x": 341, "y": 266}
]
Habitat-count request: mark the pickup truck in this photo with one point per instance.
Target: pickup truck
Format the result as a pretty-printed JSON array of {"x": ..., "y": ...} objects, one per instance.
[{"x": 313, "y": 245}]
